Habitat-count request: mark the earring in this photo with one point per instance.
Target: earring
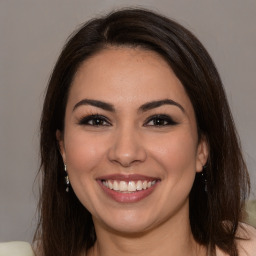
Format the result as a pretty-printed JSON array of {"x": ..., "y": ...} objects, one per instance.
[
  {"x": 204, "y": 179},
  {"x": 66, "y": 179}
]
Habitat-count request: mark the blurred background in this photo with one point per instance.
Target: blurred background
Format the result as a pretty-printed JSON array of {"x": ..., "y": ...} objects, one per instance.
[{"x": 32, "y": 34}]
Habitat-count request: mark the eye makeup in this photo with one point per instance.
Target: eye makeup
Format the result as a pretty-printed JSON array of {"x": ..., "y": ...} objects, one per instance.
[
  {"x": 160, "y": 120},
  {"x": 94, "y": 120}
]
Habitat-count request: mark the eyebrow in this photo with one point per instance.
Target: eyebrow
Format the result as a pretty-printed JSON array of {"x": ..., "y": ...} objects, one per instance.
[
  {"x": 95, "y": 103},
  {"x": 154, "y": 104},
  {"x": 143, "y": 108}
]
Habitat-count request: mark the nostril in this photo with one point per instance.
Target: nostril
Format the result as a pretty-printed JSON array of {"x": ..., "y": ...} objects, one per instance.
[{"x": 127, "y": 148}]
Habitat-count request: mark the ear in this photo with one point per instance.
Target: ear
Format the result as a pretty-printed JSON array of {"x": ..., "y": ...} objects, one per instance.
[
  {"x": 60, "y": 139},
  {"x": 202, "y": 154}
]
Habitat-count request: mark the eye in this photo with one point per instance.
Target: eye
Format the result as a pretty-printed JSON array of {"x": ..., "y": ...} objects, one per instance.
[
  {"x": 160, "y": 120},
  {"x": 95, "y": 120}
]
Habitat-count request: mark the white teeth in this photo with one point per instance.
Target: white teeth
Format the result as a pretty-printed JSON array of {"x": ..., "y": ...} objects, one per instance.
[
  {"x": 110, "y": 185},
  {"x": 123, "y": 186},
  {"x": 115, "y": 185},
  {"x": 105, "y": 183},
  {"x": 130, "y": 186},
  {"x": 139, "y": 185},
  {"x": 144, "y": 185}
]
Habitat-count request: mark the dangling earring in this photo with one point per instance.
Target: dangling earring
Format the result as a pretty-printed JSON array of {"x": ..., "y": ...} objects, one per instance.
[
  {"x": 204, "y": 178},
  {"x": 66, "y": 179}
]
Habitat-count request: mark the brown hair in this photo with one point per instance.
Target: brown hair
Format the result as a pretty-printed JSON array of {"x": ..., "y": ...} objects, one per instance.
[{"x": 65, "y": 226}]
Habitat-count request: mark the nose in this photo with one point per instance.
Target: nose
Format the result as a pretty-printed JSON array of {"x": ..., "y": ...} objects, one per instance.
[{"x": 127, "y": 148}]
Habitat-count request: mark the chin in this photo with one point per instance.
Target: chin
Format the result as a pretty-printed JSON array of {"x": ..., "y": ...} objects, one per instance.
[
  {"x": 127, "y": 222},
  {"x": 125, "y": 228}
]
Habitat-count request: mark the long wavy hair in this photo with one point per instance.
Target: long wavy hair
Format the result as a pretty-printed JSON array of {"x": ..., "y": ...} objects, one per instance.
[{"x": 65, "y": 226}]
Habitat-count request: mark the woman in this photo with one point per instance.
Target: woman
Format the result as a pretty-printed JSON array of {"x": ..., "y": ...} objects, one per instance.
[{"x": 137, "y": 124}]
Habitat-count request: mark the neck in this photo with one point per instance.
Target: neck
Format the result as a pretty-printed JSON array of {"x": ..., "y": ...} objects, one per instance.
[{"x": 173, "y": 237}]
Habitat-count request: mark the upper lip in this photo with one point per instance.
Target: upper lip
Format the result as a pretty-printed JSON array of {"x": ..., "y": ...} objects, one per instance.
[{"x": 128, "y": 177}]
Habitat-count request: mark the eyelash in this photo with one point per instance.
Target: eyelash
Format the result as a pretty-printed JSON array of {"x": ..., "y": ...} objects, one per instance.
[
  {"x": 95, "y": 120},
  {"x": 100, "y": 120},
  {"x": 160, "y": 120}
]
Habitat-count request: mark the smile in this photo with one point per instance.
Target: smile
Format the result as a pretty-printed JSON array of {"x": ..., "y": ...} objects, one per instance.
[{"x": 130, "y": 186}]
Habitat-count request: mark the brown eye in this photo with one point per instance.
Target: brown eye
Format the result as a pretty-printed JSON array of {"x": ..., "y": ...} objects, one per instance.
[
  {"x": 94, "y": 120},
  {"x": 160, "y": 120}
]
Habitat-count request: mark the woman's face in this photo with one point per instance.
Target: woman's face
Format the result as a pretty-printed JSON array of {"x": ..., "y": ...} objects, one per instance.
[{"x": 130, "y": 140}]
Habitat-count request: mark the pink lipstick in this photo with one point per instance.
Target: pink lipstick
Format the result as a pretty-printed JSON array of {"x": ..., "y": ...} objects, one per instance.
[{"x": 128, "y": 188}]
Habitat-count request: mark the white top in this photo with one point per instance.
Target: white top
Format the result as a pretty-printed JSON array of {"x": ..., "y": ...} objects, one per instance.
[
  {"x": 16, "y": 249},
  {"x": 245, "y": 247}
]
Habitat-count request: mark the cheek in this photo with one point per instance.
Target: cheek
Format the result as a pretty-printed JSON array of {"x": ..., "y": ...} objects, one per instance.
[
  {"x": 177, "y": 159},
  {"x": 176, "y": 156},
  {"x": 83, "y": 153},
  {"x": 176, "y": 153}
]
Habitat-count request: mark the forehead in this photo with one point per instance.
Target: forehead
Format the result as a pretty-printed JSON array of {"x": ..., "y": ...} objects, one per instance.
[{"x": 125, "y": 75}]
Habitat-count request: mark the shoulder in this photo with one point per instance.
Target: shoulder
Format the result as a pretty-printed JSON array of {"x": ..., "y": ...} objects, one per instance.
[
  {"x": 247, "y": 240},
  {"x": 16, "y": 248}
]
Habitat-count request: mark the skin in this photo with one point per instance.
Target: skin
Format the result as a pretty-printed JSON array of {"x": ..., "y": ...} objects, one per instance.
[{"x": 130, "y": 142}]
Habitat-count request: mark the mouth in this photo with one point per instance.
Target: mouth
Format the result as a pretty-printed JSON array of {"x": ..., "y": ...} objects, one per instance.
[{"x": 128, "y": 189}]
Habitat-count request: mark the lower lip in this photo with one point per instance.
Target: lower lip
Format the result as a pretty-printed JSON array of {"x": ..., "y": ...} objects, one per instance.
[{"x": 131, "y": 197}]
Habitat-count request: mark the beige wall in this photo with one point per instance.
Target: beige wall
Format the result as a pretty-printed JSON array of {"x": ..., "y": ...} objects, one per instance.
[{"x": 31, "y": 36}]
